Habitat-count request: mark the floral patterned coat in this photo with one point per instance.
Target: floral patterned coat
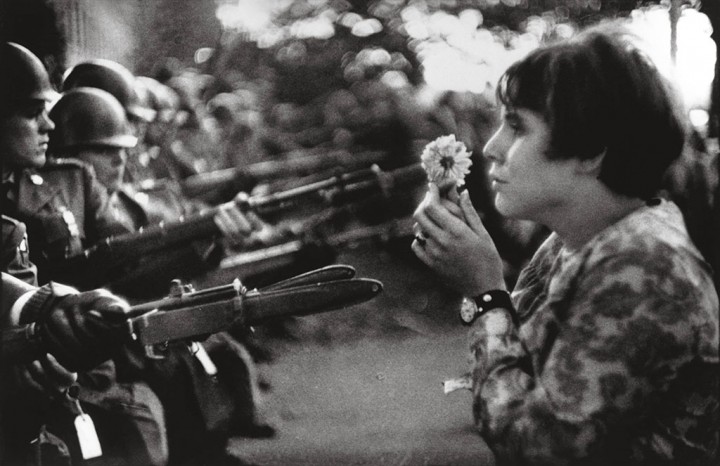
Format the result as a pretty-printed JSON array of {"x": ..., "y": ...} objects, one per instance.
[{"x": 616, "y": 358}]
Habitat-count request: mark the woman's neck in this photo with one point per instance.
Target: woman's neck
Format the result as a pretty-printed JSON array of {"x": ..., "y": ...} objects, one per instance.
[{"x": 586, "y": 216}]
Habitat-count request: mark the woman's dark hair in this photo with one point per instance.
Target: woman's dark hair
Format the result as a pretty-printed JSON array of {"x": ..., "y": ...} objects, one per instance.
[{"x": 599, "y": 93}]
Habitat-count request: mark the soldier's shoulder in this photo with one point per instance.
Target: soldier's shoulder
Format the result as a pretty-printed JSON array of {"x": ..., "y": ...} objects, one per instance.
[
  {"x": 65, "y": 169},
  {"x": 63, "y": 163}
]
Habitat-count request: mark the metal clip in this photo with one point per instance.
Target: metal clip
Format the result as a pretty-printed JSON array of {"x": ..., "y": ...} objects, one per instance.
[
  {"x": 151, "y": 353},
  {"x": 178, "y": 288}
]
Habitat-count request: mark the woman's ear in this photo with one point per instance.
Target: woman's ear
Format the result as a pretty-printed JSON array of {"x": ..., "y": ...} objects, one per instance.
[{"x": 592, "y": 166}]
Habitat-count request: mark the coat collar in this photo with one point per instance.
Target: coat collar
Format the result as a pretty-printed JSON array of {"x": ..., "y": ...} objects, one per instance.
[{"x": 34, "y": 191}]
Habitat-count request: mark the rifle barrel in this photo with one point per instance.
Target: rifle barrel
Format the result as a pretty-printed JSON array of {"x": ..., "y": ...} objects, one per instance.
[
  {"x": 117, "y": 250},
  {"x": 195, "y": 298},
  {"x": 297, "y": 165}
]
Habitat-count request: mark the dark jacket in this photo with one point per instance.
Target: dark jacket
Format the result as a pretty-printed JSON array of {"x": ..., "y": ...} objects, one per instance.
[{"x": 65, "y": 210}]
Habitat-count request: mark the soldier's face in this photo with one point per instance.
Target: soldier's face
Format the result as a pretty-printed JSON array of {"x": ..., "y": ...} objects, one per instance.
[
  {"x": 24, "y": 136},
  {"x": 109, "y": 164}
]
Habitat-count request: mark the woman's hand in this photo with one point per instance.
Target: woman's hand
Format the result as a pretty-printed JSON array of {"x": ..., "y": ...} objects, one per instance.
[{"x": 457, "y": 247}]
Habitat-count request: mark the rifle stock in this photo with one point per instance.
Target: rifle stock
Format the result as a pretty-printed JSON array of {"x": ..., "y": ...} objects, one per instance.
[{"x": 117, "y": 251}]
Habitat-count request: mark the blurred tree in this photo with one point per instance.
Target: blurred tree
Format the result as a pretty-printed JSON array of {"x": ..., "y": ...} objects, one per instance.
[{"x": 308, "y": 65}]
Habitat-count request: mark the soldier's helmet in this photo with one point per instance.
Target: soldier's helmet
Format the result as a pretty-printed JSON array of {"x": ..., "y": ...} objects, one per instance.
[
  {"x": 161, "y": 98},
  {"x": 87, "y": 117},
  {"x": 23, "y": 78},
  {"x": 112, "y": 77}
]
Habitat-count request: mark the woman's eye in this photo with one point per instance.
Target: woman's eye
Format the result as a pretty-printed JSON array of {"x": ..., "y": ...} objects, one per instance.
[{"x": 514, "y": 126}]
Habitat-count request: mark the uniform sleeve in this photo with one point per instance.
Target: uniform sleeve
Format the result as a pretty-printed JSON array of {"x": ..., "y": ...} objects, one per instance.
[
  {"x": 622, "y": 335},
  {"x": 15, "y": 252}
]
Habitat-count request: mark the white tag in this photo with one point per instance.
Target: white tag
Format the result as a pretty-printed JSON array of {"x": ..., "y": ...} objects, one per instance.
[
  {"x": 204, "y": 358},
  {"x": 459, "y": 383},
  {"x": 89, "y": 442}
]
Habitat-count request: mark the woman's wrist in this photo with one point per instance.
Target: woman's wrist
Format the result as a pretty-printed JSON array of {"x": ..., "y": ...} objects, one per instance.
[
  {"x": 473, "y": 307},
  {"x": 485, "y": 286}
]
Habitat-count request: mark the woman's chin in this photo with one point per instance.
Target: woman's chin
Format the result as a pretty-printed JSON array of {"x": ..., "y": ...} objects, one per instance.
[{"x": 508, "y": 209}]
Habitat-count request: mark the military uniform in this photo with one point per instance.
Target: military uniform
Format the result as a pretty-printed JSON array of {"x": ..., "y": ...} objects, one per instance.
[
  {"x": 203, "y": 409},
  {"x": 65, "y": 210},
  {"x": 149, "y": 276}
]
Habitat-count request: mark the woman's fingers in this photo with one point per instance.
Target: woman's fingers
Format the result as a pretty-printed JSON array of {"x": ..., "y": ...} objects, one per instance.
[
  {"x": 439, "y": 218},
  {"x": 470, "y": 214}
]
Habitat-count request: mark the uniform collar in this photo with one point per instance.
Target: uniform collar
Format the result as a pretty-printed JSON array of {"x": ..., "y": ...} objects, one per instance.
[{"x": 34, "y": 191}]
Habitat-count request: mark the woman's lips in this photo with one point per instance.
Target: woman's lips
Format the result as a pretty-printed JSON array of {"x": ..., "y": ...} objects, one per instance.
[{"x": 497, "y": 182}]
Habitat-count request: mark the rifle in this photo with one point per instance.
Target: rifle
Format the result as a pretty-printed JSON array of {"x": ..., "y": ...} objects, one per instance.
[
  {"x": 244, "y": 178},
  {"x": 116, "y": 251},
  {"x": 187, "y": 315},
  {"x": 313, "y": 250}
]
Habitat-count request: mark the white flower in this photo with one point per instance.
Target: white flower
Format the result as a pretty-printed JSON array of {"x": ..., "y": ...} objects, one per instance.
[{"x": 446, "y": 159}]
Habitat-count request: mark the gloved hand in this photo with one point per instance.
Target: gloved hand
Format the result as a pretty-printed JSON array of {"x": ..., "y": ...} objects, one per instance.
[
  {"x": 235, "y": 224},
  {"x": 46, "y": 375},
  {"x": 82, "y": 330}
]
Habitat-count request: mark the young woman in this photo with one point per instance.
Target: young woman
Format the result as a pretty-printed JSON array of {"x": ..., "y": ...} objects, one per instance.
[{"x": 607, "y": 350}]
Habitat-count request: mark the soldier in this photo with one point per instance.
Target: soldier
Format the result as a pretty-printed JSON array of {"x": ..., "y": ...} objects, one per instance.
[
  {"x": 207, "y": 397},
  {"x": 136, "y": 98},
  {"x": 61, "y": 203},
  {"x": 158, "y": 161},
  {"x": 91, "y": 127},
  {"x": 77, "y": 330},
  {"x": 65, "y": 209}
]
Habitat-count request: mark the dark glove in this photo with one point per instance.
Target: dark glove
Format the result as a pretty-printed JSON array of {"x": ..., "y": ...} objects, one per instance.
[{"x": 82, "y": 330}]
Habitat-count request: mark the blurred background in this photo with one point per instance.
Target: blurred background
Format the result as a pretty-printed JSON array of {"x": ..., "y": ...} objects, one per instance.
[
  {"x": 301, "y": 51},
  {"x": 272, "y": 80}
]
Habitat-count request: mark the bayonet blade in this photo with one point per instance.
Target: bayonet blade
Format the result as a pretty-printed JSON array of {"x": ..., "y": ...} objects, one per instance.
[
  {"x": 255, "y": 307},
  {"x": 324, "y": 274}
]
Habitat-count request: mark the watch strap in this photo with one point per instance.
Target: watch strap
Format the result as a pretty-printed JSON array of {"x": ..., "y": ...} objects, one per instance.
[{"x": 490, "y": 300}]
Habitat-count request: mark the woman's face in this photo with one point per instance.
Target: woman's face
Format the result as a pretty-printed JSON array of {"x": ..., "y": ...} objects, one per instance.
[
  {"x": 109, "y": 164},
  {"x": 24, "y": 136},
  {"x": 526, "y": 183}
]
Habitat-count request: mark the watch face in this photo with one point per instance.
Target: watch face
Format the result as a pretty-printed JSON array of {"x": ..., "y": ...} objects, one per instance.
[{"x": 468, "y": 309}]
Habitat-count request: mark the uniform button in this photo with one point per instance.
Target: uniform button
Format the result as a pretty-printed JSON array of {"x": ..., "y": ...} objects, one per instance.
[{"x": 36, "y": 179}]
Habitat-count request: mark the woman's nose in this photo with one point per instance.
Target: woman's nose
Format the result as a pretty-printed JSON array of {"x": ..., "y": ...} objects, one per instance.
[{"x": 493, "y": 149}]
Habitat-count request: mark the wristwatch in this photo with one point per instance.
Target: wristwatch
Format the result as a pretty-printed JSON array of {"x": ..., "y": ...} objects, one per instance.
[{"x": 472, "y": 308}]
